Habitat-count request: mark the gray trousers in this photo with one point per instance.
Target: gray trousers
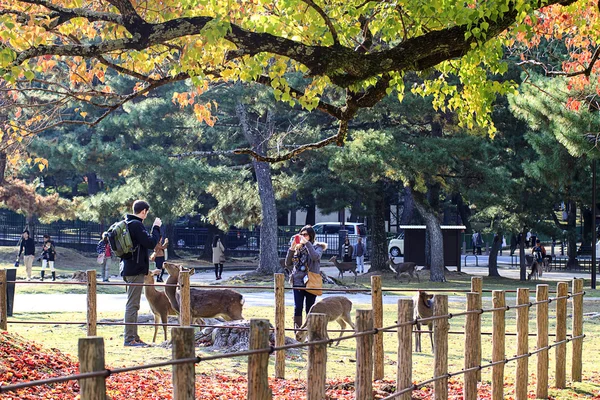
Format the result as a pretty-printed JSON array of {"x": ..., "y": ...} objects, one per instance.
[{"x": 134, "y": 294}]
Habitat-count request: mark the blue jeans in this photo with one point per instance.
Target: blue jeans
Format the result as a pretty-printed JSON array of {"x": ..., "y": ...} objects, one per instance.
[{"x": 299, "y": 298}]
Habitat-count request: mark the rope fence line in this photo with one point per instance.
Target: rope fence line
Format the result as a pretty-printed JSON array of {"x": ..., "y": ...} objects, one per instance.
[
  {"x": 439, "y": 319},
  {"x": 267, "y": 288}
]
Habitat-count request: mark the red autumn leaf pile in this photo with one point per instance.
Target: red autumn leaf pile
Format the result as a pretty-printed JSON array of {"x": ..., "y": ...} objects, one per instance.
[{"x": 23, "y": 361}]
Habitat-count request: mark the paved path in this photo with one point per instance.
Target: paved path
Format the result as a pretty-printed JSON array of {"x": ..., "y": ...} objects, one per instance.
[{"x": 25, "y": 303}]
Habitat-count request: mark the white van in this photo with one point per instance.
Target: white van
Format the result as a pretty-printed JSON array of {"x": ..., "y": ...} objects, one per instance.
[{"x": 328, "y": 232}]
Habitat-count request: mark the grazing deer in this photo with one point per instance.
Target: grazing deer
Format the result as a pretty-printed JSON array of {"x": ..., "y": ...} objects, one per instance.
[
  {"x": 344, "y": 267},
  {"x": 337, "y": 308},
  {"x": 406, "y": 267},
  {"x": 423, "y": 308},
  {"x": 204, "y": 303},
  {"x": 159, "y": 304}
]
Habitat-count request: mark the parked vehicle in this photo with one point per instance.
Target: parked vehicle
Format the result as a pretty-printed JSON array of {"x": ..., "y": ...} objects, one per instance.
[
  {"x": 396, "y": 246},
  {"x": 329, "y": 232}
]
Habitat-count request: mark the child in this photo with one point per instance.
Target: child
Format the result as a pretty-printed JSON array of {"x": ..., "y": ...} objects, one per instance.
[{"x": 47, "y": 257}]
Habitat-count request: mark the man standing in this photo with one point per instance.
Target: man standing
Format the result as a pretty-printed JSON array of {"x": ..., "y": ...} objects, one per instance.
[
  {"x": 27, "y": 246},
  {"x": 360, "y": 255},
  {"x": 135, "y": 266}
]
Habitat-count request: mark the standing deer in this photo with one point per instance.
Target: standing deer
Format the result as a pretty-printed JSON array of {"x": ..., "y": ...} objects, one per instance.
[
  {"x": 159, "y": 304},
  {"x": 344, "y": 267},
  {"x": 423, "y": 309},
  {"x": 406, "y": 267},
  {"x": 337, "y": 308},
  {"x": 204, "y": 303}
]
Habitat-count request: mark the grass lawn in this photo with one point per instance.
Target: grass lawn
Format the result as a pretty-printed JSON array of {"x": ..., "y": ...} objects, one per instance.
[{"x": 340, "y": 358}]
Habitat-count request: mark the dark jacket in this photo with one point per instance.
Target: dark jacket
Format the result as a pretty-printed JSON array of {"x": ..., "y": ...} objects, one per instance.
[
  {"x": 28, "y": 246},
  {"x": 48, "y": 251},
  {"x": 138, "y": 263}
]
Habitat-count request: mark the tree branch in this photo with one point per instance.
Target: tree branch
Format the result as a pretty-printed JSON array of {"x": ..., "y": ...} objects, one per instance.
[{"x": 325, "y": 17}]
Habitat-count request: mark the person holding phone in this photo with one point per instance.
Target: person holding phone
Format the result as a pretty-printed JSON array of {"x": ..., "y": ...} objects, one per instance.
[{"x": 303, "y": 255}]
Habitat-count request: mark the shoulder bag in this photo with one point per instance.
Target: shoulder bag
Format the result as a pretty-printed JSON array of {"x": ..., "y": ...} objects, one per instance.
[{"x": 314, "y": 284}]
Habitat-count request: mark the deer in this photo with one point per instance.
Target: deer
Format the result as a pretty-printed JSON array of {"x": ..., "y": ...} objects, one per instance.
[
  {"x": 423, "y": 308},
  {"x": 405, "y": 267},
  {"x": 159, "y": 303},
  {"x": 343, "y": 267},
  {"x": 337, "y": 308},
  {"x": 204, "y": 303}
]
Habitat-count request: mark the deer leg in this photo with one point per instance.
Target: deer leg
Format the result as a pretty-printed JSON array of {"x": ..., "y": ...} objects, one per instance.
[
  {"x": 417, "y": 274},
  {"x": 355, "y": 275},
  {"x": 342, "y": 327},
  {"x": 156, "y": 319},
  {"x": 417, "y": 328},
  {"x": 164, "y": 316}
]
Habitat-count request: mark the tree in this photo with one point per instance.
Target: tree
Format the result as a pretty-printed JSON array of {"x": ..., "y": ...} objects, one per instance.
[{"x": 70, "y": 53}]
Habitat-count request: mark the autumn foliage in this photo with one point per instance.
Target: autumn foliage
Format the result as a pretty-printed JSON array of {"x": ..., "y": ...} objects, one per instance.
[
  {"x": 23, "y": 361},
  {"x": 19, "y": 196}
]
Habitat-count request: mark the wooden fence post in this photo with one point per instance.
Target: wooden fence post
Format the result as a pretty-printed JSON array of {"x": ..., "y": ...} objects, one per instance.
[
  {"x": 577, "y": 363},
  {"x": 440, "y": 354},
  {"x": 184, "y": 376},
  {"x": 498, "y": 344},
  {"x": 258, "y": 364},
  {"x": 92, "y": 314},
  {"x": 3, "y": 302},
  {"x": 91, "y": 359},
  {"x": 364, "y": 356},
  {"x": 279, "y": 325},
  {"x": 562, "y": 290},
  {"x": 377, "y": 304},
  {"x": 317, "y": 357},
  {"x": 477, "y": 287},
  {"x": 542, "y": 341},
  {"x": 185, "y": 310},
  {"x": 472, "y": 344},
  {"x": 522, "y": 376},
  {"x": 404, "y": 371}
]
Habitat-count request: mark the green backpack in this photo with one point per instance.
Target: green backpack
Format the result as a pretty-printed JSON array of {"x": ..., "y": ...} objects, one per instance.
[{"x": 119, "y": 239}]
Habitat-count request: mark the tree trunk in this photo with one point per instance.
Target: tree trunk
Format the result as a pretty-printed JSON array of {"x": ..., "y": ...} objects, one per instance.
[
  {"x": 493, "y": 259},
  {"x": 268, "y": 260},
  {"x": 2, "y": 166},
  {"x": 572, "y": 235},
  {"x": 436, "y": 241},
  {"x": 409, "y": 207},
  {"x": 311, "y": 214},
  {"x": 463, "y": 212},
  {"x": 92, "y": 181},
  {"x": 379, "y": 254}
]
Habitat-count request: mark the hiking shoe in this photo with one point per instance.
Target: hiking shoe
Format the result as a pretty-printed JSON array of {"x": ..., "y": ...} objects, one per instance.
[{"x": 135, "y": 343}]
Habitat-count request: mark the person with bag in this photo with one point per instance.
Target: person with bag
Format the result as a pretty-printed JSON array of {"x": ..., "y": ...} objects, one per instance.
[
  {"x": 135, "y": 266},
  {"x": 218, "y": 256},
  {"x": 159, "y": 257},
  {"x": 104, "y": 256},
  {"x": 304, "y": 256},
  {"x": 27, "y": 246}
]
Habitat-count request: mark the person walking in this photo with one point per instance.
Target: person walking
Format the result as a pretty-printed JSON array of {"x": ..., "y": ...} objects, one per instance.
[
  {"x": 479, "y": 242},
  {"x": 48, "y": 256},
  {"x": 159, "y": 257},
  {"x": 27, "y": 248},
  {"x": 135, "y": 266},
  {"x": 105, "y": 256},
  {"x": 218, "y": 256},
  {"x": 303, "y": 255},
  {"x": 360, "y": 255}
]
